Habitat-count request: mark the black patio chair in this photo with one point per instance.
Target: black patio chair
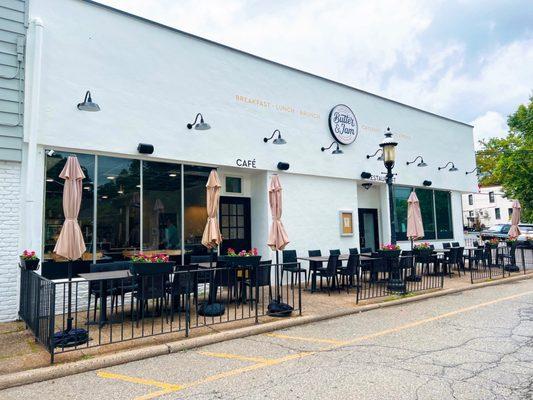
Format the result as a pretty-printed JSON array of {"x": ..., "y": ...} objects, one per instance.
[
  {"x": 366, "y": 250},
  {"x": 508, "y": 258},
  {"x": 350, "y": 271},
  {"x": 330, "y": 273},
  {"x": 184, "y": 283},
  {"x": 151, "y": 284},
  {"x": 475, "y": 258},
  {"x": 446, "y": 245},
  {"x": 98, "y": 289},
  {"x": 203, "y": 276},
  {"x": 353, "y": 250},
  {"x": 455, "y": 244},
  {"x": 336, "y": 252},
  {"x": 314, "y": 265},
  {"x": 260, "y": 276},
  {"x": 291, "y": 266},
  {"x": 121, "y": 286},
  {"x": 452, "y": 259}
]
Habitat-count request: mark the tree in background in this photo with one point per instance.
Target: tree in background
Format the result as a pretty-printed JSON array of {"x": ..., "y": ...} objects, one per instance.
[{"x": 509, "y": 161}]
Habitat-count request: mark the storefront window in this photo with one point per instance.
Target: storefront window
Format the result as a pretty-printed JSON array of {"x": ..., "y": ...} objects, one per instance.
[
  {"x": 162, "y": 207},
  {"x": 401, "y": 194},
  {"x": 54, "y": 216},
  {"x": 443, "y": 214},
  {"x": 425, "y": 198},
  {"x": 436, "y": 209},
  {"x": 195, "y": 211},
  {"x": 118, "y": 208}
]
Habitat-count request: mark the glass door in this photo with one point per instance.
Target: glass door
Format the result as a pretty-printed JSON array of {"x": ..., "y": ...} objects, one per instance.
[
  {"x": 235, "y": 224},
  {"x": 368, "y": 228}
]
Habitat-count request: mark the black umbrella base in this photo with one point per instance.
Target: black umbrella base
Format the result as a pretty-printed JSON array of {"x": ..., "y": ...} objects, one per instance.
[
  {"x": 71, "y": 338},
  {"x": 413, "y": 278},
  {"x": 211, "y": 309},
  {"x": 278, "y": 309},
  {"x": 512, "y": 268}
]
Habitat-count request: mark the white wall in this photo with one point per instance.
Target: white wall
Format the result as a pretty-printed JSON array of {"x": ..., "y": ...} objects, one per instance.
[
  {"x": 311, "y": 212},
  {"x": 483, "y": 209},
  {"x": 9, "y": 238},
  {"x": 150, "y": 81}
]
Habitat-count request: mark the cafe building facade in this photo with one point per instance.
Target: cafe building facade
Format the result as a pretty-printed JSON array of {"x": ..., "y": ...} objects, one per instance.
[{"x": 146, "y": 153}]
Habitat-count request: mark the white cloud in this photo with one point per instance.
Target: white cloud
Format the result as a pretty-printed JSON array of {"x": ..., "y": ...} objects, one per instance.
[{"x": 490, "y": 124}]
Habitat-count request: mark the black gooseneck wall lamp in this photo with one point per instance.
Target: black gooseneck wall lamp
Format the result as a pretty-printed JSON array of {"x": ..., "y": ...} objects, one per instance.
[
  {"x": 278, "y": 140},
  {"x": 452, "y": 168},
  {"x": 380, "y": 158},
  {"x": 420, "y": 164},
  {"x": 471, "y": 172},
  {"x": 200, "y": 126},
  {"x": 87, "y": 104},
  {"x": 336, "y": 151}
]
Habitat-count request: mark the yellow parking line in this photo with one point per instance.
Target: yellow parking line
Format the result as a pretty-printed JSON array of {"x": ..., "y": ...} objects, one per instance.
[
  {"x": 234, "y": 357},
  {"x": 306, "y": 339},
  {"x": 263, "y": 363}
]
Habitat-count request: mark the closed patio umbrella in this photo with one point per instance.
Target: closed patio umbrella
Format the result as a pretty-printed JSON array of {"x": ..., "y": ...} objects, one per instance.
[
  {"x": 415, "y": 227},
  {"x": 70, "y": 243},
  {"x": 514, "y": 231},
  {"x": 211, "y": 237},
  {"x": 277, "y": 240}
]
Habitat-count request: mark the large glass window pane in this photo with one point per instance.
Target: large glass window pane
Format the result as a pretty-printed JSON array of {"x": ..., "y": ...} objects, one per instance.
[
  {"x": 425, "y": 199},
  {"x": 53, "y": 203},
  {"x": 118, "y": 207},
  {"x": 443, "y": 210},
  {"x": 162, "y": 208},
  {"x": 401, "y": 194},
  {"x": 195, "y": 211}
]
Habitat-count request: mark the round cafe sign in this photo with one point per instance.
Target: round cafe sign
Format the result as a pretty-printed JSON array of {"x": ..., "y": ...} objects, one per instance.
[{"x": 343, "y": 124}]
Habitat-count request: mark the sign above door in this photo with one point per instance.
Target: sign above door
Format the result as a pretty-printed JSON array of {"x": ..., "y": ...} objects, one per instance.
[{"x": 343, "y": 124}]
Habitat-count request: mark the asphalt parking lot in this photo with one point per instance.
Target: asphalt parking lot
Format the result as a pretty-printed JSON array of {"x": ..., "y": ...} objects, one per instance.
[{"x": 472, "y": 345}]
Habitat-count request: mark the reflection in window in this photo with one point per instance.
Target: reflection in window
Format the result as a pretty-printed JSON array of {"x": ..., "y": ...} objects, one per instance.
[
  {"x": 401, "y": 194},
  {"x": 443, "y": 213},
  {"x": 118, "y": 208},
  {"x": 195, "y": 211},
  {"x": 54, "y": 217},
  {"x": 162, "y": 207},
  {"x": 425, "y": 198}
]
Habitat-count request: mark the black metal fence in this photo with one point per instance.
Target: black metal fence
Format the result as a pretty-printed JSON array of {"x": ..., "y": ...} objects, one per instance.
[
  {"x": 125, "y": 306},
  {"x": 502, "y": 262},
  {"x": 37, "y": 306},
  {"x": 382, "y": 278}
]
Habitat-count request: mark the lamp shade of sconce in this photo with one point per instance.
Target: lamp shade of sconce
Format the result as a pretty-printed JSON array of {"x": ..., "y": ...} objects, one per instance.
[
  {"x": 87, "y": 104},
  {"x": 278, "y": 140},
  {"x": 283, "y": 166},
  {"x": 145, "y": 148},
  {"x": 367, "y": 185}
]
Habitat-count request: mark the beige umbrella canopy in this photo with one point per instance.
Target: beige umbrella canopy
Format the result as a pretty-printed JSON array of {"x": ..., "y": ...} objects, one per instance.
[
  {"x": 277, "y": 238},
  {"x": 514, "y": 232},
  {"x": 212, "y": 237},
  {"x": 70, "y": 243},
  {"x": 415, "y": 227}
]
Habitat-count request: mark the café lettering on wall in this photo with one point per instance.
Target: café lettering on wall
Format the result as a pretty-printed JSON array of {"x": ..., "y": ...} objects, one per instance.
[{"x": 343, "y": 124}]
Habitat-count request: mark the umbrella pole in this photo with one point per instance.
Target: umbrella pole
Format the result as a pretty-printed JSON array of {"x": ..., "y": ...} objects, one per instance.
[
  {"x": 69, "y": 309},
  {"x": 278, "y": 297}
]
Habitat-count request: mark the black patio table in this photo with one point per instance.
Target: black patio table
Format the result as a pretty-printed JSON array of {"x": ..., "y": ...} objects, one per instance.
[{"x": 104, "y": 277}]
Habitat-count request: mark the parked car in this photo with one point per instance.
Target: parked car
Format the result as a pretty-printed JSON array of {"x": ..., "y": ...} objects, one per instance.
[{"x": 501, "y": 231}]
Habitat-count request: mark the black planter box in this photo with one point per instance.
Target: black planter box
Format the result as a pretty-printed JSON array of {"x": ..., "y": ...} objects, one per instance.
[{"x": 31, "y": 265}]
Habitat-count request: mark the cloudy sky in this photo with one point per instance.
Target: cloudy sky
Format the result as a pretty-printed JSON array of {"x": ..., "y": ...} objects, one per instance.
[{"x": 466, "y": 59}]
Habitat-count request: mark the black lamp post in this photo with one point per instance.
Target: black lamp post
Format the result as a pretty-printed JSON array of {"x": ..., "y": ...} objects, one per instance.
[{"x": 389, "y": 155}]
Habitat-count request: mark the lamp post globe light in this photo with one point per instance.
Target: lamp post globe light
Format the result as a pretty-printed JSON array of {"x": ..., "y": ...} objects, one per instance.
[{"x": 389, "y": 157}]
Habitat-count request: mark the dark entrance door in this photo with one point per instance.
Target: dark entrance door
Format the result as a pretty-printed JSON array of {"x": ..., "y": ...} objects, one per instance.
[
  {"x": 235, "y": 224},
  {"x": 368, "y": 228}
]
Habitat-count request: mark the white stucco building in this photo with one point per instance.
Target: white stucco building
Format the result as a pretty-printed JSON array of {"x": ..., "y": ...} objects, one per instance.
[
  {"x": 150, "y": 81},
  {"x": 487, "y": 207}
]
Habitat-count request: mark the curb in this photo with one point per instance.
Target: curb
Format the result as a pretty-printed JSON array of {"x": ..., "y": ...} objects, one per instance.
[{"x": 77, "y": 367}]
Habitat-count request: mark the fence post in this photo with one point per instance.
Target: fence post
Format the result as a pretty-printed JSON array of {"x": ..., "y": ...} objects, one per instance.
[
  {"x": 255, "y": 297},
  {"x": 37, "y": 308},
  {"x": 52, "y": 316},
  {"x": 299, "y": 290},
  {"x": 187, "y": 304}
]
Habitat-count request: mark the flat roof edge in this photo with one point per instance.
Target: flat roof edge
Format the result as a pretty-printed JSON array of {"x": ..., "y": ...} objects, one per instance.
[{"x": 93, "y": 2}]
